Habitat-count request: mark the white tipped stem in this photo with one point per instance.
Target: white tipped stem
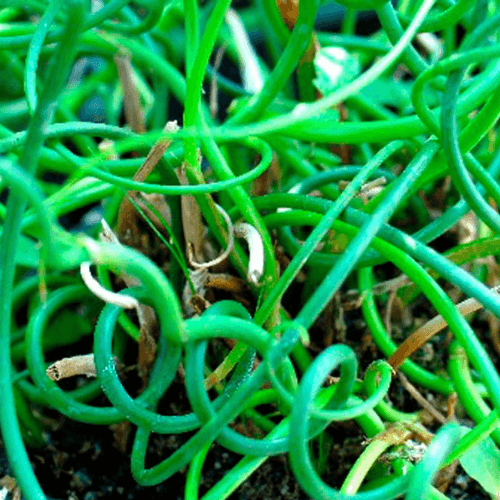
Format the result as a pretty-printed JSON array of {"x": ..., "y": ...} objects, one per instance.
[
  {"x": 256, "y": 251},
  {"x": 98, "y": 290}
]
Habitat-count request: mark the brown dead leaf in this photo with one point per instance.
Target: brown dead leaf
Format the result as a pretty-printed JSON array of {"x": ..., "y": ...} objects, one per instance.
[
  {"x": 289, "y": 10},
  {"x": 132, "y": 103},
  {"x": 10, "y": 484},
  {"x": 191, "y": 219},
  {"x": 226, "y": 282},
  {"x": 152, "y": 204}
]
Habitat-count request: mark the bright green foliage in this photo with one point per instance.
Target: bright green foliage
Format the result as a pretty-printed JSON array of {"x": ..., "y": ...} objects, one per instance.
[
  {"x": 482, "y": 463},
  {"x": 364, "y": 152}
]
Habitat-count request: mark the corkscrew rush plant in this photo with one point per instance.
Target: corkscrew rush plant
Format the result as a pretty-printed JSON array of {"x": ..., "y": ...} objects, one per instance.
[{"x": 360, "y": 174}]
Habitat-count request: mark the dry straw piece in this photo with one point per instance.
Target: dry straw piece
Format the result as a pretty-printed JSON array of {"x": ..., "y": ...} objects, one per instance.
[{"x": 71, "y": 367}]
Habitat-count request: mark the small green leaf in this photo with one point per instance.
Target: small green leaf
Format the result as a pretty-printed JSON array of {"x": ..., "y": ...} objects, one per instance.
[
  {"x": 482, "y": 463},
  {"x": 335, "y": 68}
]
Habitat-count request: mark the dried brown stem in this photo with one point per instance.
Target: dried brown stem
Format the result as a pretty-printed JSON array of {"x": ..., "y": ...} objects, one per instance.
[
  {"x": 354, "y": 298},
  {"x": 127, "y": 215},
  {"x": 423, "y": 334},
  {"x": 420, "y": 399}
]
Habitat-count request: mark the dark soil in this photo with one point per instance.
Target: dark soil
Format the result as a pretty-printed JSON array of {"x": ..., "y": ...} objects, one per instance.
[
  {"x": 82, "y": 462},
  {"x": 86, "y": 462}
]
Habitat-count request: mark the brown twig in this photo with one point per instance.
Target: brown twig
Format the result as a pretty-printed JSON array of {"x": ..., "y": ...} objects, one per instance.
[{"x": 420, "y": 399}]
